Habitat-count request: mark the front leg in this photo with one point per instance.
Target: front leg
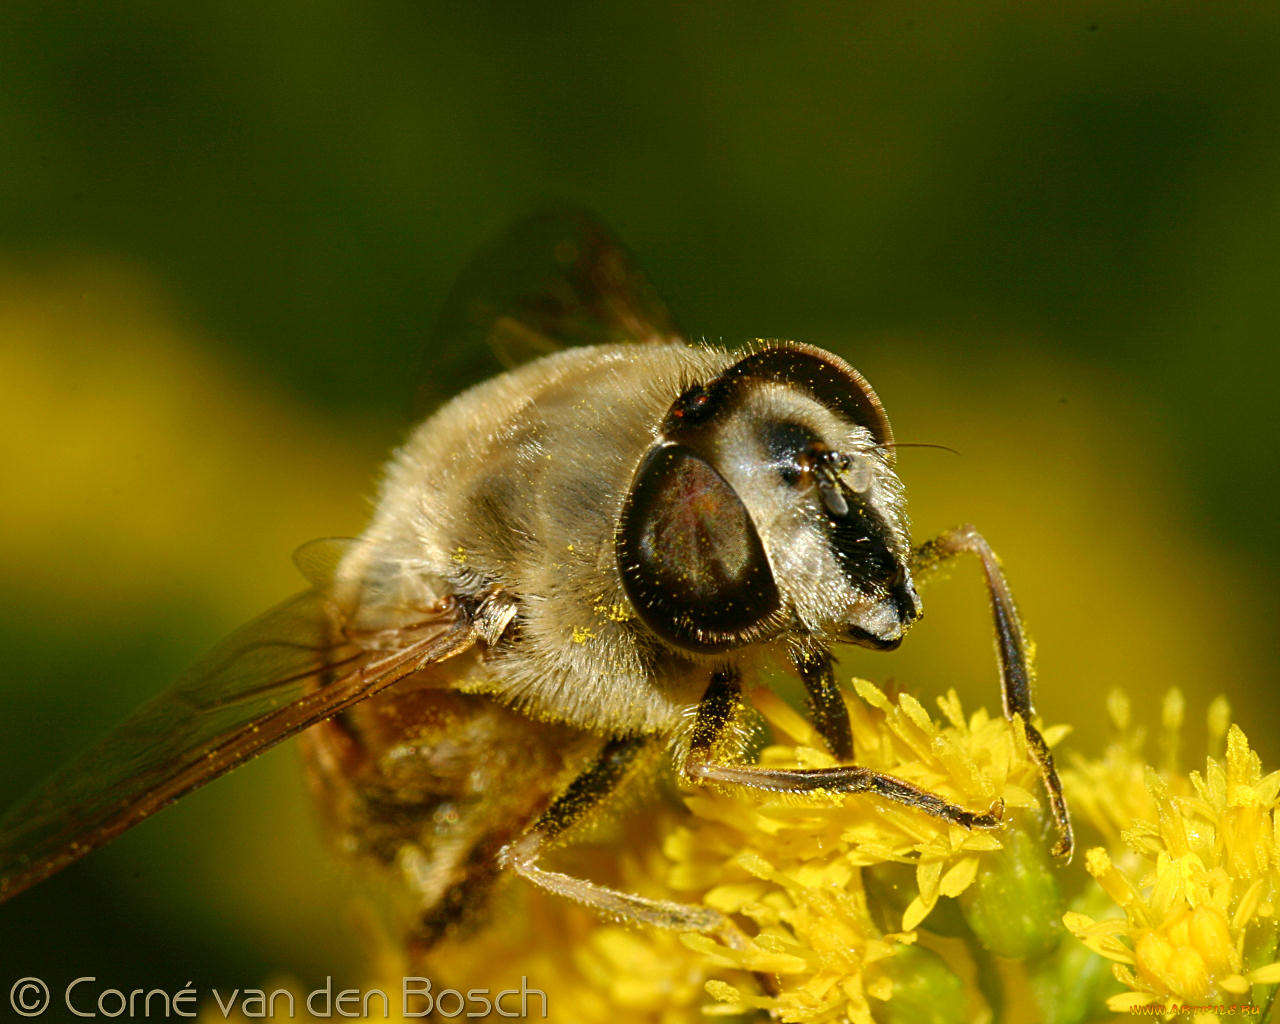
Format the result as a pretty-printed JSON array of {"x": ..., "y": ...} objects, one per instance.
[
  {"x": 824, "y": 700},
  {"x": 1015, "y": 664},
  {"x": 717, "y": 709}
]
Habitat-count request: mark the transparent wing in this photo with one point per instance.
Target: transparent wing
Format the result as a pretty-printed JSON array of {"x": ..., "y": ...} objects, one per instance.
[
  {"x": 556, "y": 279},
  {"x": 287, "y": 670}
]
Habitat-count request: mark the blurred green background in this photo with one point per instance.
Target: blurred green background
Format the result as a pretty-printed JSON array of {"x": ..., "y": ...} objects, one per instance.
[{"x": 1048, "y": 233}]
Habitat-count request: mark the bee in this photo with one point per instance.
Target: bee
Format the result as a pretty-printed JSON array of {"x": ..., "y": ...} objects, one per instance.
[{"x": 573, "y": 568}]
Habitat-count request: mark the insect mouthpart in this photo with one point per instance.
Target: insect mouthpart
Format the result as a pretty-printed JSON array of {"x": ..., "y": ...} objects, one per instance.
[
  {"x": 882, "y": 625},
  {"x": 867, "y": 549}
]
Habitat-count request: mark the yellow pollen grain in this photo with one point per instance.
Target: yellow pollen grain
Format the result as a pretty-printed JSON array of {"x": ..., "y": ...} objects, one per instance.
[{"x": 612, "y": 612}]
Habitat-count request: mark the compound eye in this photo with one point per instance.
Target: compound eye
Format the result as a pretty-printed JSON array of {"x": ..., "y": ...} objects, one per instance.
[{"x": 691, "y": 560}]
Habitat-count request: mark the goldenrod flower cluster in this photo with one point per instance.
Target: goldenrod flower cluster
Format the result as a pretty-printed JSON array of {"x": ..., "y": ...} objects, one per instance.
[
  {"x": 1194, "y": 865},
  {"x": 852, "y": 908},
  {"x": 837, "y": 893}
]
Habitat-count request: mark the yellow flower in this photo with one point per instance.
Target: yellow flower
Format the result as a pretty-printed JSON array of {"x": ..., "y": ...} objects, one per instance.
[
  {"x": 855, "y": 909},
  {"x": 843, "y": 901},
  {"x": 837, "y": 891},
  {"x": 1194, "y": 865}
]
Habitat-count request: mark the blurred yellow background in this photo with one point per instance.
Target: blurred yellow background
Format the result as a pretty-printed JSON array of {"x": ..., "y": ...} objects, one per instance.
[{"x": 1048, "y": 234}]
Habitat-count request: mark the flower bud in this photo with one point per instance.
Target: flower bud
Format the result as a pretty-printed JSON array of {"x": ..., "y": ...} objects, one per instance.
[
  {"x": 925, "y": 990},
  {"x": 1014, "y": 906}
]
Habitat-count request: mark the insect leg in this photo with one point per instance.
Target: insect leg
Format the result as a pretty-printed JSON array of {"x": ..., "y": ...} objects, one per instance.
[
  {"x": 584, "y": 795},
  {"x": 827, "y": 709},
  {"x": 717, "y": 709},
  {"x": 1015, "y": 663}
]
